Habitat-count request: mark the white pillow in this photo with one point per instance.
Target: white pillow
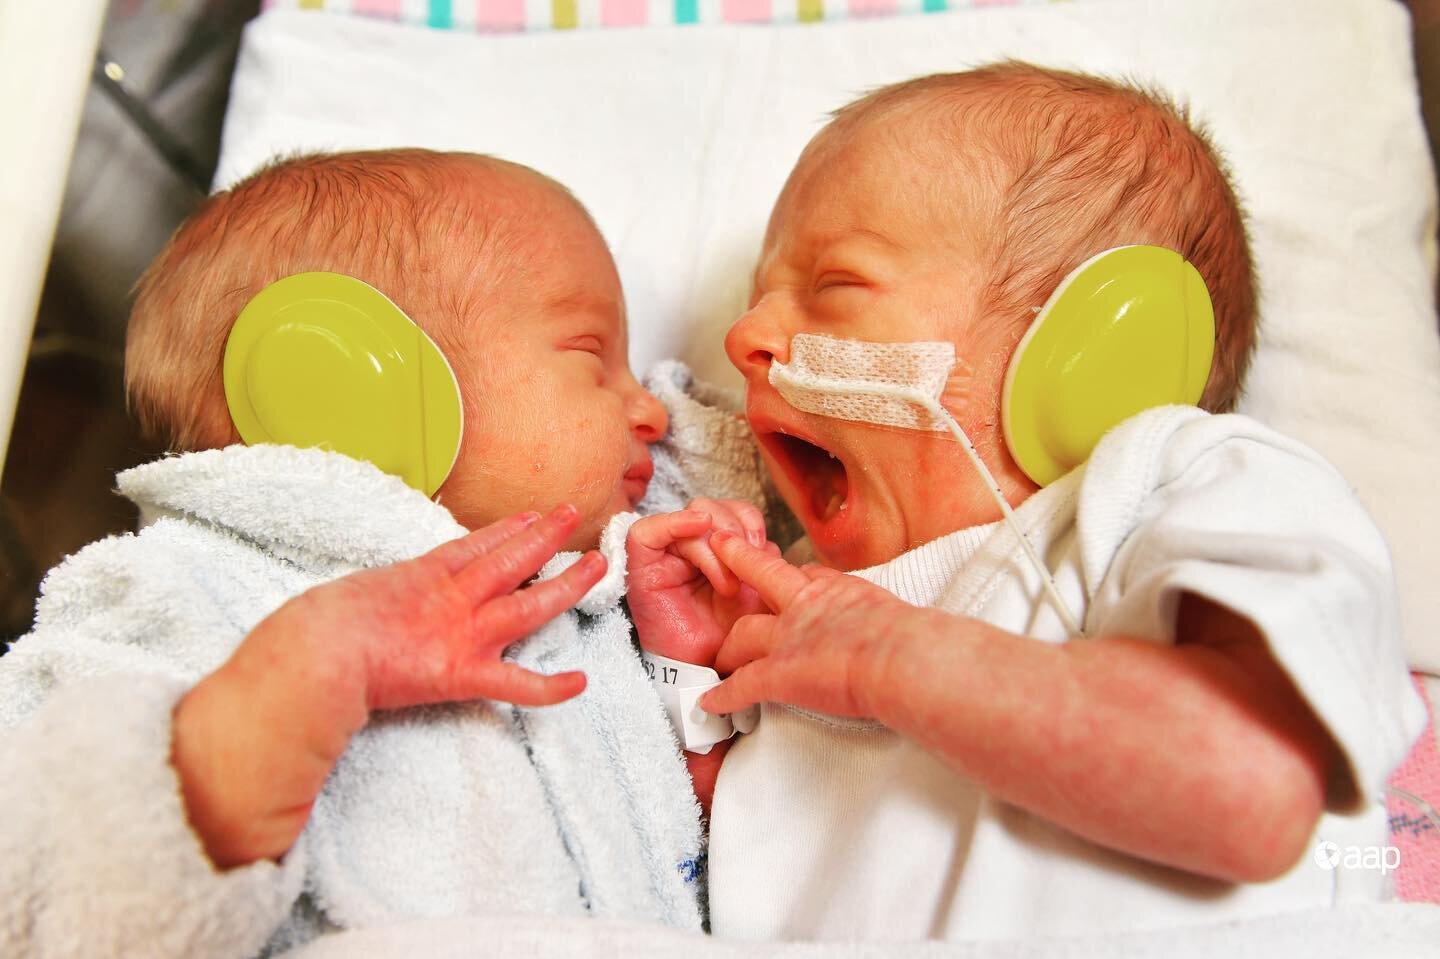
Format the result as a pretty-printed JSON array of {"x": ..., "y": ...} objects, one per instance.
[{"x": 679, "y": 138}]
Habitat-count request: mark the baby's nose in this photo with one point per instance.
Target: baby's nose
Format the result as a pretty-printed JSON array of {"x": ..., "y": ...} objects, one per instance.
[
  {"x": 648, "y": 416},
  {"x": 754, "y": 342}
]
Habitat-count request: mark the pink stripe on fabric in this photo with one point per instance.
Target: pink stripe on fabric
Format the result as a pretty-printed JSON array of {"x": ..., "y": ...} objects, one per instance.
[
  {"x": 500, "y": 15},
  {"x": 1415, "y": 834},
  {"x": 377, "y": 8},
  {"x": 624, "y": 13},
  {"x": 873, "y": 8},
  {"x": 745, "y": 11}
]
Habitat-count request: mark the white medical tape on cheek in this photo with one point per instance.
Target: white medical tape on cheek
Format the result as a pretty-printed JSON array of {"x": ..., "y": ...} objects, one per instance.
[
  {"x": 680, "y": 686},
  {"x": 824, "y": 373},
  {"x": 894, "y": 384}
]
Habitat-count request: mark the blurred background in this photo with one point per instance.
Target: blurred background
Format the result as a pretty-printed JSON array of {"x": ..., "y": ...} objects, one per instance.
[
  {"x": 146, "y": 150},
  {"x": 147, "y": 146}
]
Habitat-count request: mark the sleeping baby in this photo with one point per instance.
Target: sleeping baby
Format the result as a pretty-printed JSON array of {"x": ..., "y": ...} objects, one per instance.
[
  {"x": 184, "y": 773},
  {"x": 1203, "y": 680}
]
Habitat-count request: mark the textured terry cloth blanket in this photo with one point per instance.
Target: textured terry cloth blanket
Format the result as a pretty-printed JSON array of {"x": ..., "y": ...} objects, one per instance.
[{"x": 476, "y": 808}]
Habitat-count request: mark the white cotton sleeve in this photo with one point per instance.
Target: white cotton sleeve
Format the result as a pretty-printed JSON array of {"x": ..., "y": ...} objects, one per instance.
[
  {"x": 1225, "y": 508},
  {"x": 97, "y": 857}
]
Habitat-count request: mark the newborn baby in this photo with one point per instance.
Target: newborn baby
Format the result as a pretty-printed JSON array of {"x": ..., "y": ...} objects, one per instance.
[
  {"x": 161, "y": 837},
  {"x": 937, "y": 755}
]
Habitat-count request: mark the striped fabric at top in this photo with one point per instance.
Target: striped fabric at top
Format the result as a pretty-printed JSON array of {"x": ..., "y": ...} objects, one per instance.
[{"x": 499, "y": 16}]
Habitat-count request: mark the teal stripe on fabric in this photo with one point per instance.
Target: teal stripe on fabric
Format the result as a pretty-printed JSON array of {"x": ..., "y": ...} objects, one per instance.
[
  {"x": 934, "y": 6},
  {"x": 687, "y": 11},
  {"x": 440, "y": 14}
]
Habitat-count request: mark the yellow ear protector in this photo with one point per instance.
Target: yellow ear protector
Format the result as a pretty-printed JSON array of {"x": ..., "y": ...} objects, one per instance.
[
  {"x": 323, "y": 359},
  {"x": 1128, "y": 329}
]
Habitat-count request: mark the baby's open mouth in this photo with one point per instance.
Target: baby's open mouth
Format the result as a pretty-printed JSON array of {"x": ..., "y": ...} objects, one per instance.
[{"x": 815, "y": 471}]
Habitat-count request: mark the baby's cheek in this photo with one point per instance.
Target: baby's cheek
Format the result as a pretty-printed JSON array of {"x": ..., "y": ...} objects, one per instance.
[
  {"x": 601, "y": 458},
  {"x": 604, "y": 434}
]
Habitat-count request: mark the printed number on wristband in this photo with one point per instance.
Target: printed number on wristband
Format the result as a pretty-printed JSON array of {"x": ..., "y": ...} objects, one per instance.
[{"x": 680, "y": 686}]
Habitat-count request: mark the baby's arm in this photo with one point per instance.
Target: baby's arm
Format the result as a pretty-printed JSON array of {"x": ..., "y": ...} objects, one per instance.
[
  {"x": 683, "y": 600},
  {"x": 254, "y": 741},
  {"x": 1199, "y": 755}
]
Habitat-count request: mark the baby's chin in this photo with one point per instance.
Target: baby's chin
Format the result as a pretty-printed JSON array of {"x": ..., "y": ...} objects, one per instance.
[
  {"x": 845, "y": 529},
  {"x": 863, "y": 553}
]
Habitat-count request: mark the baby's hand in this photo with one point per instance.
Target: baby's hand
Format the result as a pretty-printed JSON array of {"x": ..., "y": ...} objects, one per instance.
[
  {"x": 683, "y": 600},
  {"x": 254, "y": 741},
  {"x": 433, "y": 630},
  {"x": 824, "y": 641}
]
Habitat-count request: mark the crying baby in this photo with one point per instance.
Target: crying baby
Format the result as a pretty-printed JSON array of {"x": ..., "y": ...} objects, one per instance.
[{"x": 1054, "y": 694}]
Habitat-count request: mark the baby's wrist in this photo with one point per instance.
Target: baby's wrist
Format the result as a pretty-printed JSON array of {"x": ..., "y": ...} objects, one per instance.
[
  {"x": 889, "y": 674},
  {"x": 217, "y": 794},
  {"x": 253, "y": 742},
  {"x": 677, "y": 646}
]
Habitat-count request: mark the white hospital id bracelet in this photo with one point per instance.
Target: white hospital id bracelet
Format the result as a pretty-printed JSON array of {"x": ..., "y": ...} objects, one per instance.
[{"x": 680, "y": 686}]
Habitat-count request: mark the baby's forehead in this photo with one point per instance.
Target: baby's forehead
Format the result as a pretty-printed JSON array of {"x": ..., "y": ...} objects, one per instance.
[
  {"x": 982, "y": 151},
  {"x": 550, "y": 268},
  {"x": 885, "y": 180},
  {"x": 511, "y": 229}
]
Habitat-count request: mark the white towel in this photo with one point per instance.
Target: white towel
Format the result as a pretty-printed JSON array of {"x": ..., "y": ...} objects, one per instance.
[{"x": 473, "y": 808}]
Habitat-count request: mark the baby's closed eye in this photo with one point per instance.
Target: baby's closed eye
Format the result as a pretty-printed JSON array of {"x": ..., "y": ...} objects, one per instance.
[
  {"x": 838, "y": 280},
  {"x": 586, "y": 344}
]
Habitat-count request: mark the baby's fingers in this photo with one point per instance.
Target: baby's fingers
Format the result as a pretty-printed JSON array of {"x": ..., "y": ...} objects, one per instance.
[
  {"x": 697, "y": 553},
  {"x": 459, "y": 552},
  {"x": 518, "y": 558},
  {"x": 743, "y": 689},
  {"x": 752, "y": 637},
  {"x": 777, "y": 582},
  {"x": 509, "y": 683},
  {"x": 505, "y": 619},
  {"x": 737, "y": 516},
  {"x": 653, "y": 535},
  {"x": 752, "y": 521}
]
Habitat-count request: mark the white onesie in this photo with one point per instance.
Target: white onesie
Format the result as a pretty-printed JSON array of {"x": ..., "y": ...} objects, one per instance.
[{"x": 833, "y": 829}]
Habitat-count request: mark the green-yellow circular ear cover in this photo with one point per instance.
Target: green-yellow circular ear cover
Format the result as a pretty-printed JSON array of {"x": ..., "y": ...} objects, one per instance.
[
  {"x": 323, "y": 359},
  {"x": 1129, "y": 329}
]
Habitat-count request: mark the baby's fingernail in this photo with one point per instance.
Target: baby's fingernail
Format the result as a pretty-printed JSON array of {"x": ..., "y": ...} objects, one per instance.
[
  {"x": 565, "y": 512},
  {"x": 528, "y": 519},
  {"x": 722, "y": 536},
  {"x": 592, "y": 562},
  {"x": 755, "y": 538}
]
